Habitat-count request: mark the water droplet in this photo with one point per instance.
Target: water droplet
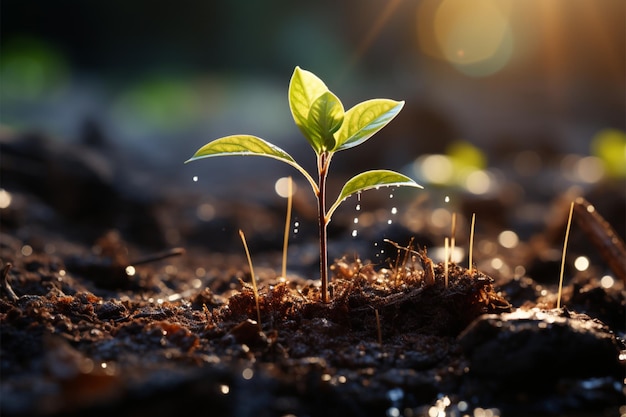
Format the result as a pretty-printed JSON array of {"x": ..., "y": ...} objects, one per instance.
[
  {"x": 356, "y": 220},
  {"x": 394, "y": 210},
  {"x": 358, "y": 207},
  {"x": 391, "y": 195},
  {"x": 389, "y": 221},
  {"x": 354, "y": 233},
  {"x": 447, "y": 199},
  {"x": 195, "y": 178}
]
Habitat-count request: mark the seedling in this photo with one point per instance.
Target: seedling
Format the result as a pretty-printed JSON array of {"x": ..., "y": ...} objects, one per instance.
[{"x": 321, "y": 118}]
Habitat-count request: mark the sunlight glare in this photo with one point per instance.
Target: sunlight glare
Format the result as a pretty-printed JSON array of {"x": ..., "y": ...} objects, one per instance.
[{"x": 475, "y": 37}]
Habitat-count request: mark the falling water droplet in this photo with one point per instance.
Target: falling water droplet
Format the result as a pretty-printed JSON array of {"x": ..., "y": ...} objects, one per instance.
[
  {"x": 394, "y": 210},
  {"x": 296, "y": 225},
  {"x": 356, "y": 220},
  {"x": 195, "y": 178},
  {"x": 447, "y": 199},
  {"x": 358, "y": 207},
  {"x": 389, "y": 221},
  {"x": 354, "y": 233}
]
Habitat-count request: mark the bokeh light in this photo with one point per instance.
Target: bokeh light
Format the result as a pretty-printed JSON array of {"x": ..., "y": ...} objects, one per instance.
[
  {"x": 282, "y": 187},
  {"x": 478, "y": 182},
  {"x": 5, "y": 198},
  {"x": 607, "y": 281},
  {"x": 435, "y": 169},
  {"x": 508, "y": 239},
  {"x": 581, "y": 263}
]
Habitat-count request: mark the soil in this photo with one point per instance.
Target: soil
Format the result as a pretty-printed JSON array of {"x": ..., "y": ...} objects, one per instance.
[{"x": 101, "y": 315}]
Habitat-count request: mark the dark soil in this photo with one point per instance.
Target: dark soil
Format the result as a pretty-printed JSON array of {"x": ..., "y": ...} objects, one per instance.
[{"x": 82, "y": 334}]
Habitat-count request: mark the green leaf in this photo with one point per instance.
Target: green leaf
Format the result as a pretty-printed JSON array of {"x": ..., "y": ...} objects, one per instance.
[
  {"x": 364, "y": 120},
  {"x": 325, "y": 118},
  {"x": 304, "y": 88},
  {"x": 371, "y": 179},
  {"x": 248, "y": 145}
]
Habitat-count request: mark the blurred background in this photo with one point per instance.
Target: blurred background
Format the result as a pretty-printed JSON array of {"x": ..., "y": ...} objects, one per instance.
[{"x": 526, "y": 96}]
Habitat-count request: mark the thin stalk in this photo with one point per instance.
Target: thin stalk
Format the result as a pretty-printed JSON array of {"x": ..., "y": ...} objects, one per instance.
[
  {"x": 446, "y": 255},
  {"x": 323, "y": 162},
  {"x": 569, "y": 223},
  {"x": 471, "y": 244},
  {"x": 452, "y": 236},
  {"x": 287, "y": 225},
  {"x": 254, "y": 287}
]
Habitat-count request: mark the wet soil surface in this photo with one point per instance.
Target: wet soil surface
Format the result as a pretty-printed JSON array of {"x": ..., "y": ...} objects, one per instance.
[{"x": 101, "y": 314}]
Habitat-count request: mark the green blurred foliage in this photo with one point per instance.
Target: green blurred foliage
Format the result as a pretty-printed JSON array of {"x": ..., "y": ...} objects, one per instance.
[
  {"x": 610, "y": 146},
  {"x": 31, "y": 69}
]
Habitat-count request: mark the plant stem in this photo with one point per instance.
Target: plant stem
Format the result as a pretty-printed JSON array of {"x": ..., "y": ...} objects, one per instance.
[{"x": 323, "y": 161}]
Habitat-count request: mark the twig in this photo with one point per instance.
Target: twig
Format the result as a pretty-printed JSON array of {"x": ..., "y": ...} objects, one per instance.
[
  {"x": 5, "y": 283},
  {"x": 602, "y": 236},
  {"x": 158, "y": 256}
]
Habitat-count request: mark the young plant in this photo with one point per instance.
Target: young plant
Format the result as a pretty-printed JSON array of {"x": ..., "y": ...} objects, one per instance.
[{"x": 321, "y": 118}]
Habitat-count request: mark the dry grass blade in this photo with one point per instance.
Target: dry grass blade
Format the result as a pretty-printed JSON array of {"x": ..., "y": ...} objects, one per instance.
[
  {"x": 254, "y": 287},
  {"x": 569, "y": 224}
]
